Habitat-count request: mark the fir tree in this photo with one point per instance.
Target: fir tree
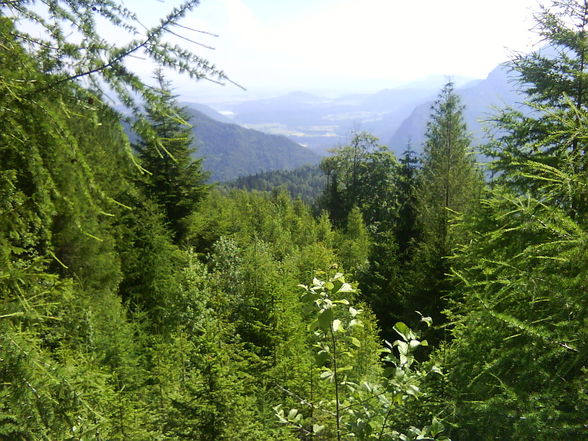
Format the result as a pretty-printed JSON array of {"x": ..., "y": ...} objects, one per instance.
[
  {"x": 176, "y": 180},
  {"x": 449, "y": 184}
]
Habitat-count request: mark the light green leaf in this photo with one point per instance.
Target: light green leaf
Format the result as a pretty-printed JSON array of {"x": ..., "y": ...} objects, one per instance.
[
  {"x": 316, "y": 428},
  {"x": 346, "y": 287}
]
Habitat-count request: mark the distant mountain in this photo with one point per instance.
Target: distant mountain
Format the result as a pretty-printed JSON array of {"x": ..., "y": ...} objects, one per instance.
[
  {"x": 438, "y": 81},
  {"x": 322, "y": 123},
  {"x": 208, "y": 111},
  {"x": 396, "y": 116},
  {"x": 479, "y": 98},
  {"x": 230, "y": 151}
]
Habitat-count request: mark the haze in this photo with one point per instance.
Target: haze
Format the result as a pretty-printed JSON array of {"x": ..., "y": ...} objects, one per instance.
[{"x": 346, "y": 46}]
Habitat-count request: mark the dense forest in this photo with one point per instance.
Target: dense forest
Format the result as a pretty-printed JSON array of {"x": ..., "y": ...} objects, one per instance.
[{"x": 420, "y": 297}]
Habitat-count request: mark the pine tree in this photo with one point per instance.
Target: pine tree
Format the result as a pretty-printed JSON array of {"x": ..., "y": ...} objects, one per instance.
[{"x": 176, "y": 180}]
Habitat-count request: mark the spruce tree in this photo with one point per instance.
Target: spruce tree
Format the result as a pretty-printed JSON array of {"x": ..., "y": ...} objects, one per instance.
[
  {"x": 175, "y": 178},
  {"x": 449, "y": 184}
]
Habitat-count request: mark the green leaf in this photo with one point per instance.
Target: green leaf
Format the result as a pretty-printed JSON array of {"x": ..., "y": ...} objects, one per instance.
[
  {"x": 346, "y": 287},
  {"x": 355, "y": 342},
  {"x": 325, "y": 319},
  {"x": 436, "y": 427},
  {"x": 326, "y": 374},
  {"x": 316, "y": 428},
  {"x": 403, "y": 330}
]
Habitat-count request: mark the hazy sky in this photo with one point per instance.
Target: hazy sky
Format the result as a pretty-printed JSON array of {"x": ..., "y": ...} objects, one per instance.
[{"x": 273, "y": 46}]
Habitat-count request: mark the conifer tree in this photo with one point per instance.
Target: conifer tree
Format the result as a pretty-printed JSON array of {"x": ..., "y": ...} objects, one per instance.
[
  {"x": 176, "y": 180},
  {"x": 406, "y": 230},
  {"x": 553, "y": 78},
  {"x": 518, "y": 358},
  {"x": 449, "y": 184}
]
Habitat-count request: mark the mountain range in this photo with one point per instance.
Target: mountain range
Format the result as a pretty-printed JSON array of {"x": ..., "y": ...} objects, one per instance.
[
  {"x": 393, "y": 115},
  {"x": 286, "y": 132}
]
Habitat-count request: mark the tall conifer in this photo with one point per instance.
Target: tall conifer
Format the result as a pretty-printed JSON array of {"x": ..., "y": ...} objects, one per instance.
[
  {"x": 449, "y": 184},
  {"x": 175, "y": 178}
]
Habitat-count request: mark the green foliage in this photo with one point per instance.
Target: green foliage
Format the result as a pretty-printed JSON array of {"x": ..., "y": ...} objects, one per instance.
[
  {"x": 363, "y": 399},
  {"x": 360, "y": 174},
  {"x": 306, "y": 183},
  {"x": 141, "y": 306},
  {"x": 518, "y": 358},
  {"x": 174, "y": 180},
  {"x": 520, "y": 328},
  {"x": 354, "y": 244}
]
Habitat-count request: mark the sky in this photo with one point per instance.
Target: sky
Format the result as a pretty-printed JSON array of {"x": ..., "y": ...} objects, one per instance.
[{"x": 345, "y": 46}]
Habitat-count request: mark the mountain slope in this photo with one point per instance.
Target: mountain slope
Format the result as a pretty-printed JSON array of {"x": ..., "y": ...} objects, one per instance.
[
  {"x": 479, "y": 98},
  {"x": 230, "y": 151}
]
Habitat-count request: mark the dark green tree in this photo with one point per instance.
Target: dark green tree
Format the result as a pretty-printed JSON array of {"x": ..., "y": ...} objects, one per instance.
[
  {"x": 406, "y": 228},
  {"x": 175, "y": 180}
]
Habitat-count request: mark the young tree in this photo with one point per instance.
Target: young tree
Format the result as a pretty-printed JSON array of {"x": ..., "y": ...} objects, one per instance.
[
  {"x": 449, "y": 184},
  {"x": 175, "y": 179}
]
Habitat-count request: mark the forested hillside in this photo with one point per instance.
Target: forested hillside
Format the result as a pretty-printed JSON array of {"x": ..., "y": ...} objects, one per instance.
[
  {"x": 230, "y": 151},
  {"x": 306, "y": 183},
  {"x": 421, "y": 297}
]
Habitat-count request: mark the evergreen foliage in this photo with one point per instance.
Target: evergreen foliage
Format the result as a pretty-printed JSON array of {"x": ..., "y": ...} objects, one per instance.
[
  {"x": 175, "y": 181},
  {"x": 449, "y": 184},
  {"x": 144, "y": 306},
  {"x": 306, "y": 183}
]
